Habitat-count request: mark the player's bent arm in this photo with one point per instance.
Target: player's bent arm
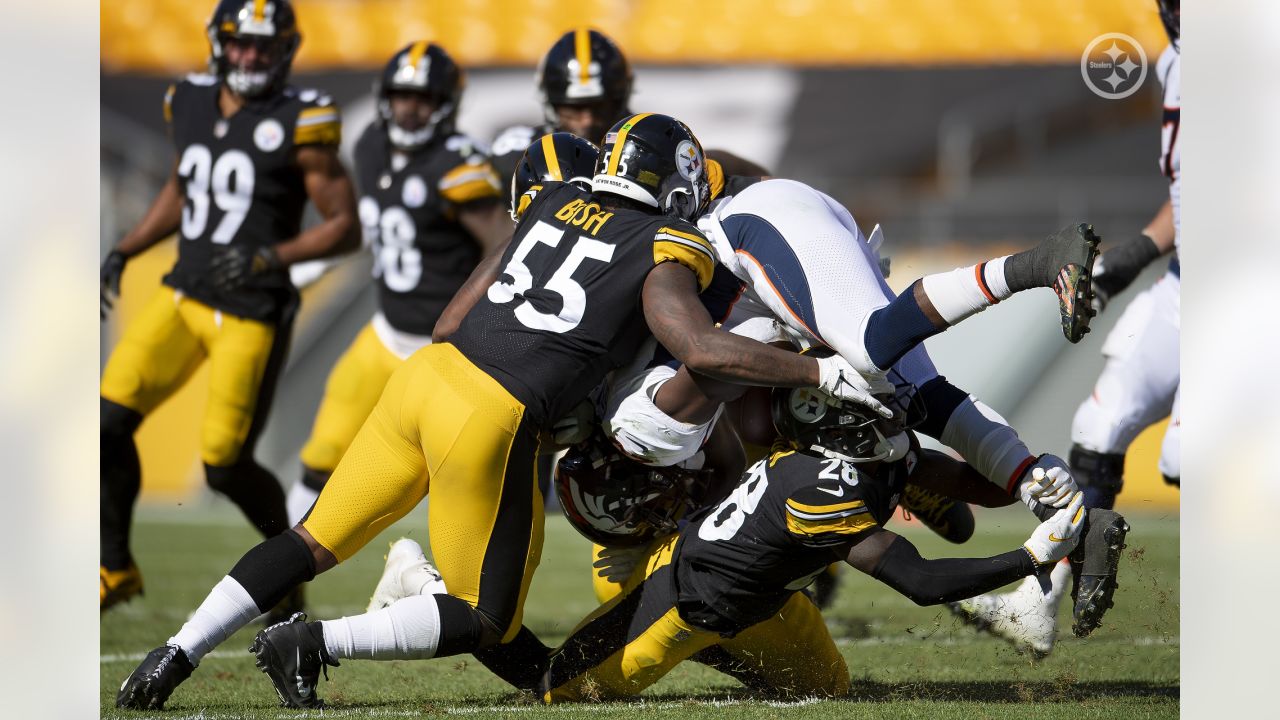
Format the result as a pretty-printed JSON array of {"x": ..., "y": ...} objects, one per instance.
[
  {"x": 683, "y": 326},
  {"x": 329, "y": 188},
  {"x": 162, "y": 219},
  {"x": 485, "y": 274},
  {"x": 1119, "y": 266},
  {"x": 489, "y": 223},
  {"x": 894, "y": 561}
]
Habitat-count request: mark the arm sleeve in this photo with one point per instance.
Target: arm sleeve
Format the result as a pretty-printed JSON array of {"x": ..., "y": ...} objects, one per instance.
[
  {"x": 686, "y": 245},
  {"x": 930, "y": 582}
]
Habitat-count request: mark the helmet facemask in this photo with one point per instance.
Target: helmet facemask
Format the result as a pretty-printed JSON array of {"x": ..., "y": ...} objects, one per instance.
[{"x": 272, "y": 36}]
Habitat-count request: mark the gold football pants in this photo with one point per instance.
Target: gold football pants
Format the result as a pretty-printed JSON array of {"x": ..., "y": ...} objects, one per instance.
[
  {"x": 444, "y": 426},
  {"x": 164, "y": 346},
  {"x": 353, "y": 388},
  {"x": 633, "y": 640}
]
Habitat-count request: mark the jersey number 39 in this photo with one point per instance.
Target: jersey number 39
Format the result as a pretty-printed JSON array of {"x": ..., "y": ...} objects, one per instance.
[
  {"x": 228, "y": 182},
  {"x": 561, "y": 281}
]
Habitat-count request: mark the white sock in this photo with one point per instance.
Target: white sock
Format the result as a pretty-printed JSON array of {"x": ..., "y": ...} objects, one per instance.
[
  {"x": 299, "y": 502},
  {"x": 227, "y": 609},
  {"x": 966, "y": 291},
  {"x": 407, "y": 630},
  {"x": 1060, "y": 576}
]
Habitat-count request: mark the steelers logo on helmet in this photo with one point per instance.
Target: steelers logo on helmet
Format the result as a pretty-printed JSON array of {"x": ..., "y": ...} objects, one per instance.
[
  {"x": 655, "y": 160},
  {"x": 806, "y": 405},
  {"x": 423, "y": 69},
  {"x": 270, "y": 27}
]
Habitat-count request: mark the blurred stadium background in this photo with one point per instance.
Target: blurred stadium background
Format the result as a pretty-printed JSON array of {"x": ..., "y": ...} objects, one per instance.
[{"x": 963, "y": 127}]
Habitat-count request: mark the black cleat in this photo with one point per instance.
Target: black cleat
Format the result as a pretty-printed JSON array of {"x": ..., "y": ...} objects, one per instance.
[
  {"x": 950, "y": 518},
  {"x": 1073, "y": 251},
  {"x": 1094, "y": 564},
  {"x": 151, "y": 684},
  {"x": 292, "y": 654}
]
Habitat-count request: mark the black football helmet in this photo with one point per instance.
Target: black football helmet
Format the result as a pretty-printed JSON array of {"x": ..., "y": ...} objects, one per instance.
[
  {"x": 271, "y": 25},
  {"x": 617, "y": 502},
  {"x": 850, "y": 432},
  {"x": 424, "y": 68},
  {"x": 655, "y": 160},
  {"x": 558, "y": 157},
  {"x": 584, "y": 67},
  {"x": 1171, "y": 16}
]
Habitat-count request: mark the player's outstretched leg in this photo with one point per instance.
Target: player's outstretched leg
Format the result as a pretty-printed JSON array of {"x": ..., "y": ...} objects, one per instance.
[
  {"x": 151, "y": 684},
  {"x": 1027, "y": 617}
]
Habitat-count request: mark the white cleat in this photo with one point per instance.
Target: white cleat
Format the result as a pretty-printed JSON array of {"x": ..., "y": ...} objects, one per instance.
[
  {"x": 1026, "y": 617},
  {"x": 407, "y": 572}
]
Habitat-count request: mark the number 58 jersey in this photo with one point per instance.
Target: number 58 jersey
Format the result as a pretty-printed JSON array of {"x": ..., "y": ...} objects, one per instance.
[
  {"x": 566, "y": 308},
  {"x": 241, "y": 183}
]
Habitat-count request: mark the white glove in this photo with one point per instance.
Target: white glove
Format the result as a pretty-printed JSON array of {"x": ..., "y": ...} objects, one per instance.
[
  {"x": 838, "y": 379},
  {"x": 1049, "y": 483},
  {"x": 617, "y": 564},
  {"x": 1057, "y": 536},
  {"x": 574, "y": 427}
]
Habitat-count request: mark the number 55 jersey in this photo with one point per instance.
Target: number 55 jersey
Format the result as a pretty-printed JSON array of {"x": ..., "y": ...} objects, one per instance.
[
  {"x": 241, "y": 183},
  {"x": 566, "y": 308}
]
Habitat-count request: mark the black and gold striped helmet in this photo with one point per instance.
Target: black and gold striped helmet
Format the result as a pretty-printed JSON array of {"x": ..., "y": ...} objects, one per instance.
[
  {"x": 269, "y": 24},
  {"x": 655, "y": 160},
  {"x": 421, "y": 67},
  {"x": 558, "y": 157},
  {"x": 584, "y": 67}
]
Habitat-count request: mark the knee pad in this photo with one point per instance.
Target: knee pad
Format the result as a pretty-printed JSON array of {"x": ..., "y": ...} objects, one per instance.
[{"x": 117, "y": 420}]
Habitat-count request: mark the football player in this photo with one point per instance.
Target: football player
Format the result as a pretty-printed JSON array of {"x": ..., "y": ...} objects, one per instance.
[
  {"x": 726, "y": 589},
  {"x": 586, "y": 278},
  {"x": 1140, "y": 382},
  {"x": 251, "y": 151},
  {"x": 431, "y": 207}
]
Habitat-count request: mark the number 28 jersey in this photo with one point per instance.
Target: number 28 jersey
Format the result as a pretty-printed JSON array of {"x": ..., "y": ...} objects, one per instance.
[
  {"x": 409, "y": 205},
  {"x": 241, "y": 184},
  {"x": 791, "y": 516},
  {"x": 566, "y": 308}
]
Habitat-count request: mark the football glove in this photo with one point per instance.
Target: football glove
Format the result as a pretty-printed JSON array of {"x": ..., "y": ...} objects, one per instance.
[
  {"x": 1056, "y": 537},
  {"x": 234, "y": 265},
  {"x": 112, "y": 269},
  {"x": 841, "y": 382},
  {"x": 1048, "y": 482},
  {"x": 1117, "y": 268},
  {"x": 617, "y": 564}
]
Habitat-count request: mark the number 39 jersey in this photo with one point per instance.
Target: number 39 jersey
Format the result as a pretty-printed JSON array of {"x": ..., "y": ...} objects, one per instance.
[
  {"x": 408, "y": 207},
  {"x": 566, "y": 308},
  {"x": 790, "y": 517},
  {"x": 240, "y": 182}
]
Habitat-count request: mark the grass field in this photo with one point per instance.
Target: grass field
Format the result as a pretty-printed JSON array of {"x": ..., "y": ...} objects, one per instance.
[{"x": 906, "y": 661}]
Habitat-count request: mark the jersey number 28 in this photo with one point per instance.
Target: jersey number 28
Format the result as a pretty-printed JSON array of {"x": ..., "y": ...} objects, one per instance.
[{"x": 561, "y": 281}]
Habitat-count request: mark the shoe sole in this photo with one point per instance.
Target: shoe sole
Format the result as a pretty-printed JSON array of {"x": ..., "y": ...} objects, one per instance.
[
  {"x": 981, "y": 624},
  {"x": 268, "y": 661},
  {"x": 1074, "y": 287},
  {"x": 1094, "y": 592}
]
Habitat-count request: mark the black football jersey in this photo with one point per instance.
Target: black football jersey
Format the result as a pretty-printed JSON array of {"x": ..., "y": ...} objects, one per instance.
[
  {"x": 409, "y": 204},
  {"x": 791, "y": 516},
  {"x": 509, "y": 146},
  {"x": 566, "y": 307},
  {"x": 241, "y": 184}
]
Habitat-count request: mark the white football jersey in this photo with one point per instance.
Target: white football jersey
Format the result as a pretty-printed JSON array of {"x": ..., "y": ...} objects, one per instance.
[{"x": 1169, "y": 69}]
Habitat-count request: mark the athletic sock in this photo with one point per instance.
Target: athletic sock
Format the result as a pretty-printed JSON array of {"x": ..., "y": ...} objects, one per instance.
[
  {"x": 255, "y": 491},
  {"x": 227, "y": 609},
  {"x": 299, "y": 502},
  {"x": 966, "y": 291},
  {"x": 120, "y": 478},
  {"x": 1059, "y": 576},
  {"x": 407, "y": 630}
]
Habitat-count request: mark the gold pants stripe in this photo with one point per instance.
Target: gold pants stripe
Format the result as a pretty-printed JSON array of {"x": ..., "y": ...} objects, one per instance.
[
  {"x": 445, "y": 427},
  {"x": 165, "y": 345},
  {"x": 350, "y": 394}
]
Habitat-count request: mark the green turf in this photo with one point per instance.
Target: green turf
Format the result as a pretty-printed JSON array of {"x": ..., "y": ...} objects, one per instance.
[{"x": 906, "y": 661}]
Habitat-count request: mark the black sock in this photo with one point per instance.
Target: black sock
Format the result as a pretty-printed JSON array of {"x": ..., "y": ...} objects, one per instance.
[
  {"x": 1027, "y": 269},
  {"x": 520, "y": 662},
  {"x": 120, "y": 478},
  {"x": 274, "y": 567},
  {"x": 255, "y": 491}
]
